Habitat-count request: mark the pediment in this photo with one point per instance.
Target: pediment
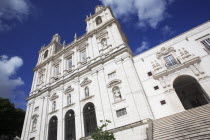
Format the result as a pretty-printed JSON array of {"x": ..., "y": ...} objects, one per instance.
[
  {"x": 82, "y": 46},
  {"x": 68, "y": 89},
  {"x": 34, "y": 116},
  {"x": 114, "y": 83},
  {"x": 85, "y": 82},
  {"x": 56, "y": 61},
  {"x": 68, "y": 54},
  {"x": 54, "y": 96},
  {"x": 164, "y": 51},
  {"x": 41, "y": 70}
]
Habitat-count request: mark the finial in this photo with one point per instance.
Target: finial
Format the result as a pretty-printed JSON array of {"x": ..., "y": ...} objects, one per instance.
[
  {"x": 86, "y": 16},
  {"x": 64, "y": 43},
  {"x": 75, "y": 37},
  {"x": 90, "y": 15}
]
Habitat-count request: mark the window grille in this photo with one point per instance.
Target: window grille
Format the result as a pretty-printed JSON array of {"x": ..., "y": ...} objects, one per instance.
[
  {"x": 206, "y": 43},
  {"x": 170, "y": 61}
]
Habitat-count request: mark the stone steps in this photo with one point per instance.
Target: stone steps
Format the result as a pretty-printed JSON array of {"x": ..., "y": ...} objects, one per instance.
[{"x": 193, "y": 124}]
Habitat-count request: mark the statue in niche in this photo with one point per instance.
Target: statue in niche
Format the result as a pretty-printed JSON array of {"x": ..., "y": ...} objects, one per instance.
[
  {"x": 104, "y": 42},
  {"x": 86, "y": 91},
  {"x": 117, "y": 93}
]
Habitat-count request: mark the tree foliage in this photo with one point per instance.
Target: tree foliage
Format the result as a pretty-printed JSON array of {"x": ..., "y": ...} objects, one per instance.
[
  {"x": 99, "y": 134},
  {"x": 11, "y": 120}
]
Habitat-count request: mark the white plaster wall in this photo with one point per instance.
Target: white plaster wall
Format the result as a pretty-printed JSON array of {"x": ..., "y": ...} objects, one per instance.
[{"x": 189, "y": 41}]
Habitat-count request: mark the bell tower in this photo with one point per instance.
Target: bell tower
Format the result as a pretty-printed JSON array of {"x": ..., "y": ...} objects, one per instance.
[{"x": 101, "y": 16}]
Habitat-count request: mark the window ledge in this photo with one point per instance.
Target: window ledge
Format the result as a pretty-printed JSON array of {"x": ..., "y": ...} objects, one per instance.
[
  {"x": 69, "y": 105},
  {"x": 122, "y": 100},
  {"x": 86, "y": 98},
  {"x": 33, "y": 131},
  {"x": 101, "y": 50},
  {"x": 53, "y": 111}
]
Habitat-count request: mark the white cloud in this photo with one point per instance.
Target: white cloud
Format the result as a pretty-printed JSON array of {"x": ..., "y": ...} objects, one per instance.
[
  {"x": 144, "y": 46},
  {"x": 8, "y": 69},
  {"x": 149, "y": 12},
  {"x": 11, "y": 11},
  {"x": 167, "y": 31}
]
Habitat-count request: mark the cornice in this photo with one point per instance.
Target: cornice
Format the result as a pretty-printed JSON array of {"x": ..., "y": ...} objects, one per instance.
[
  {"x": 81, "y": 70},
  {"x": 75, "y": 43}
]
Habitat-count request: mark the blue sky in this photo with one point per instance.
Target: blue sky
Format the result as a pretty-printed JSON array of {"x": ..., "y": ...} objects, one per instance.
[{"x": 26, "y": 25}]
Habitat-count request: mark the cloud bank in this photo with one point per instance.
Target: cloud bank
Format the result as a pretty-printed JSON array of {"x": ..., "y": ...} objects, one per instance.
[
  {"x": 8, "y": 69},
  {"x": 12, "y": 11},
  {"x": 149, "y": 12}
]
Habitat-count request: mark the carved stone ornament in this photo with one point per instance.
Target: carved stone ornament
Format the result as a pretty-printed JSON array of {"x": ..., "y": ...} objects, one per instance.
[
  {"x": 68, "y": 54},
  {"x": 114, "y": 83},
  {"x": 34, "y": 116},
  {"x": 53, "y": 97},
  {"x": 82, "y": 46},
  {"x": 102, "y": 34},
  {"x": 68, "y": 90},
  {"x": 41, "y": 70},
  {"x": 85, "y": 82},
  {"x": 164, "y": 51},
  {"x": 56, "y": 61}
]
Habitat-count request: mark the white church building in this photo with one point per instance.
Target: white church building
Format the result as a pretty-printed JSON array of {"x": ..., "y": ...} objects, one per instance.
[{"x": 97, "y": 77}]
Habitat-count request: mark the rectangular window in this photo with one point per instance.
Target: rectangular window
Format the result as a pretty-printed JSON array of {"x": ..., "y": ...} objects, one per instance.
[
  {"x": 56, "y": 70},
  {"x": 149, "y": 73},
  {"x": 156, "y": 87},
  {"x": 162, "y": 102},
  {"x": 111, "y": 75},
  {"x": 83, "y": 55},
  {"x": 32, "y": 138},
  {"x": 170, "y": 61},
  {"x": 121, "y": 112},
  {"x": 206, "y": 43},
  {"x": 69, "y": 63}
]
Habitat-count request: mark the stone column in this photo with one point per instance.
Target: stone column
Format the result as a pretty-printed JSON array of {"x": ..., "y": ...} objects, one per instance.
[
  {"x": 28, "y": 125},
  {"x": 43, "y": 117},
  {"x": 25, "y": 122}
]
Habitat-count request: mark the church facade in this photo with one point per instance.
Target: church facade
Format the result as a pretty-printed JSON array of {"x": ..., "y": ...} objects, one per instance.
[{"x": 96, "y": 77}]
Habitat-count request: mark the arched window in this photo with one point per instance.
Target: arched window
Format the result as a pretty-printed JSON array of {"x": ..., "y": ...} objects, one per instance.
[
  {"x": 87, "y": 92},
  {"x": 70, "y": 133},
  {"x": 116, "y": 93},
  {"x": 45, "y": 54},
  {"x": 52, "y": 131},
  {"x": 190, "y": 92},
  {"x": 34, "y": 124},
  {"x": 69, "y": 99},
  {"x": 53, "y": 105},
  {"x": 89, "y": 116},
  {"x": 98, "y": 20}
]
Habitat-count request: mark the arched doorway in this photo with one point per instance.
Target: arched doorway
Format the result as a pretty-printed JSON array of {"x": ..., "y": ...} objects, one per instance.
[
  {"x": 70, "y": 125},
  {"x": 52, "y": 132},
  {"x": 89, "y": 115},
  {"x": 189, "y": 91}
]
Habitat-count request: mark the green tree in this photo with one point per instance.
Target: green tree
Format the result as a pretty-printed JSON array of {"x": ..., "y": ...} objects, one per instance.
[
  {"x": 100, "y": 134},
  {"x": 11, "y": 120}
]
